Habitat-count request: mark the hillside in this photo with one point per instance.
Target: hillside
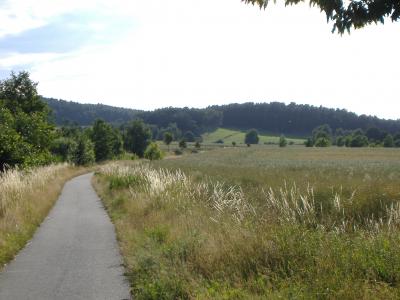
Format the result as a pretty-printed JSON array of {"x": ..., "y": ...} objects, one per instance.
[
  {"x": 86, "y": 114},
  {"x": 296, "y": 120},
  {"x": 228, "y": 136}
]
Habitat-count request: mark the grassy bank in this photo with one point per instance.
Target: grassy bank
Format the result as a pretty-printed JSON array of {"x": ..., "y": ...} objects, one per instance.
[
  {"x": 259, "y": 223},
  {"x": 25, "y": 200}
]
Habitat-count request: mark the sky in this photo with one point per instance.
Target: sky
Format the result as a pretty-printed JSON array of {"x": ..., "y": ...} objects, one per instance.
[{"x": 152, "y": 54}]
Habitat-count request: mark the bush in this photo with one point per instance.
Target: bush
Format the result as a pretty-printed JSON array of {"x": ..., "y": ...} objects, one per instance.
[
  {"x": 153, "y": 152},
  {"x": 251, "y": 137},
  {"x": 234, "y": 144},
  {"x": 309, "y": 142},
  {"x": 282, "y": 141},
  {"x": 388, "y": 141},
  {"x": 84, "y": 154},
  {"x": 219, "y": 141},
  {"x": 182, "y": 144},
  {"x": 340, "y": 141},
  {"x": 322, "y": 142},
  {"x": 197, "y": 145}
]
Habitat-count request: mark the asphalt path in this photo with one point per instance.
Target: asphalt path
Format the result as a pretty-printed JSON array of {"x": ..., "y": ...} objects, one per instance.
[{"x": 73, "y": 254}]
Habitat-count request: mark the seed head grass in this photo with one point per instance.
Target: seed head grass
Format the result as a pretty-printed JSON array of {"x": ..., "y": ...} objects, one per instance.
[{"x": 261, "y": 223}]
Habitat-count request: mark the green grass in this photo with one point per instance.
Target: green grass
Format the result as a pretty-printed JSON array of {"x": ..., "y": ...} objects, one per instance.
[
  {"x": 259, "y": 223},
  {"x": 229, "y": 136}
]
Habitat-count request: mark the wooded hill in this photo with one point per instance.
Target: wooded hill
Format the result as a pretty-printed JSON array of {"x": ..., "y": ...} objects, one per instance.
[{"x": 273, "y": 118}]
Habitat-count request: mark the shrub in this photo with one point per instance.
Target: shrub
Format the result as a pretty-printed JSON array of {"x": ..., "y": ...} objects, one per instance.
[
  {"x": 251, "y": 137},
  {"x": 282, "y": 141},
  {"x": 322, "y": 142},
  {"x": 309, "y": 142},
  {"x": 234, "y": 144},
  {"x": 197, "y": 145},
  {"x": 153, "y": 152},
  {"x": 84, "y": 154},
  {"x": 182, "y": 144},
  {"x": 388, "y": 141}
]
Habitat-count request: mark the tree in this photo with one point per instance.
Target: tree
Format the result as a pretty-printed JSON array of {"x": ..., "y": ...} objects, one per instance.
[
  {"x": 182, "y": 144},
  {"x": 153, "y": 152},
  {"x": 251, "y": 137},
  {"x": 350, "y": 14},
  {"x": 84, "y": 154},
  {"x": 136, "y": 137},
  {"x": 25, "y": 133},
  {"x": 388, "y": 141},
  {"x": 168, "y": 138},
  {"x": 64, "y": 148},
  {"x": 340, "y": 141},
  {"x": 282, "y": 141},
  {"x": 358, "y": 139},
  {"x": 234, "y": 144},
  {"x": 189, "y": 136},
  {"x": 102, "y": 136},
  {"x": 322, "y": 132},
  {"x": 309, "y": 142},
  {"x": 322, "y": 142},
  {"x": 197, "y": 145}
]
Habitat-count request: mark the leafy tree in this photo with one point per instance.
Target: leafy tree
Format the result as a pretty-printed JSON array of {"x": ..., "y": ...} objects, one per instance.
[
  {"x": 182, "y": 144},
  {"x": 153, "y": 152},
  {"x": 64, "y": 148},
  {"x": 234, "y": 144},
  {"x": 322, "y": 132},
  {"x": 358, "y": 139},
  {"x": 340, "y": 141},
  {"x": 84, "y": 154},
  {"x": 197, "y": 145},
  {"x": 309, "y": 142},
  {"x": 388, "y": 141},
  {"x": 102, "y": 136},
  {"x": 282, "y": 141},
  {"x": 322, "y": 142},
  {"x": 136, "y": 137},
  {"x": 251, "y": 137},
  {"x": 26, "y": 134},
  {"x": 168, "y": 139},
  {"x": 374, "y": 134},
  {"x": 350, "y": 14}
]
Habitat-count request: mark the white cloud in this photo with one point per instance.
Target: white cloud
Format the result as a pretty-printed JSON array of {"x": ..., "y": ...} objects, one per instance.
[{"x": 199, "y": 53}]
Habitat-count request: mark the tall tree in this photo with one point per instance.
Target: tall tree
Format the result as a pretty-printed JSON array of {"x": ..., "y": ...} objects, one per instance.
[
  {"x": 26, "y": 134},
  {"x": 102, "y": 137},
  {"x": 136, "y": 137},
  {"x": 349, "y": 14},
  {"x": 251, "y": 137}
]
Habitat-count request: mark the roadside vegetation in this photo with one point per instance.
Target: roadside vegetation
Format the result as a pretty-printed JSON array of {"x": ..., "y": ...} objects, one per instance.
[
  {"x": 259, "y": 222},
  {"x": 26, "y": 196}
]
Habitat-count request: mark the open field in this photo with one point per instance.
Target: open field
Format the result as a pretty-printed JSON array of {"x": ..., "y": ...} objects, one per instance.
[
  {"x": 259, "y": 222},
  {"x": 228, "y": 136},
  {"x": 26, "y": 197}
]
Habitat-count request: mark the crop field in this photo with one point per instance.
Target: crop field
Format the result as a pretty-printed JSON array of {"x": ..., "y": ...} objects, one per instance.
[
  {"x": 259, "y": 223},
  {"x": 228, "y": 136}
]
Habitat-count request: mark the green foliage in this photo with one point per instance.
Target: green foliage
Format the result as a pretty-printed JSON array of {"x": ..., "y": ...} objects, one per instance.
[
  {"x": 282, "y": 141},
  {"x": 64, "y": 148},
  {"x": 168, "y": 138},
  {"x": 251, "y": 137},
  {"x": 324, "y": 134},
  {"x": 153, "y": 152},
  {"x": 350, "y": 14},
  {"x": 197, "y": 145},
  {"x": 106, "y": 140},
  {"x": 189, "y": 136},
  {"x": 340, "y": 141},
  {"x": 84, "y": 154},
  {"x": 322, "y": 142},
  {"x": 234, "y": 144},
  {"x": 309, "y": 142},
  {"x": 358, "y": 139},
  {"x": 25, "y": 133},
  {"x": 388, "y": 141},
  {"x": 136, "y": 137},
  {"x": 182, "y": 144}
]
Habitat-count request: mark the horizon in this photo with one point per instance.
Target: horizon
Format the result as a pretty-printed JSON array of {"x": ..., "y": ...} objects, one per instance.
[{"x": 148, "y": 55}]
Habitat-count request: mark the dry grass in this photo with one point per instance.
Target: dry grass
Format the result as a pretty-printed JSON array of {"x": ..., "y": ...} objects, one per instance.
[
  {"x": 235, "y": 224},
  {"x": 26, "y": 196}
]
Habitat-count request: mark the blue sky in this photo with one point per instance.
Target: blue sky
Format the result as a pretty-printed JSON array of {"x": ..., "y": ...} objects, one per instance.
[{"x": 150, "y": 54}]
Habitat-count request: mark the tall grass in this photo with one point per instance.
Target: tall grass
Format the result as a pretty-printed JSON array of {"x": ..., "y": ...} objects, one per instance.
[
  {"x": 26, "y": 196},
  {"x": 189, "y": 234}
]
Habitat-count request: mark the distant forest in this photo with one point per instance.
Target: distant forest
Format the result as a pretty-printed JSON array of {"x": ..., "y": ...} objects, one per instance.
[{"x": 273, "y": 118}]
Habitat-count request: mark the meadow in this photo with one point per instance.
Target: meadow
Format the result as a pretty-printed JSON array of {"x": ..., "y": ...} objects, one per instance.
[
  {"x": 230, "y": 135},
  {"x": 259, "y": 223}
]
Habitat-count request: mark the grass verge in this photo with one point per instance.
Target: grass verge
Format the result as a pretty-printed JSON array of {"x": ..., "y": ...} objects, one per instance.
[{"x": 26, "y": 197}]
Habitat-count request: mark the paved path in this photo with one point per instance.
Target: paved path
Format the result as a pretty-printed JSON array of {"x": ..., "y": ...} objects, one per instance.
[{"x": 73, "y": 255}]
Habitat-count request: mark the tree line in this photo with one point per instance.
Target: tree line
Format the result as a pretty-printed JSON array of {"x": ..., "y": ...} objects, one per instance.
[
  {"x": 275, "y": 118},
  {"x": 29, "y": 138}
]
